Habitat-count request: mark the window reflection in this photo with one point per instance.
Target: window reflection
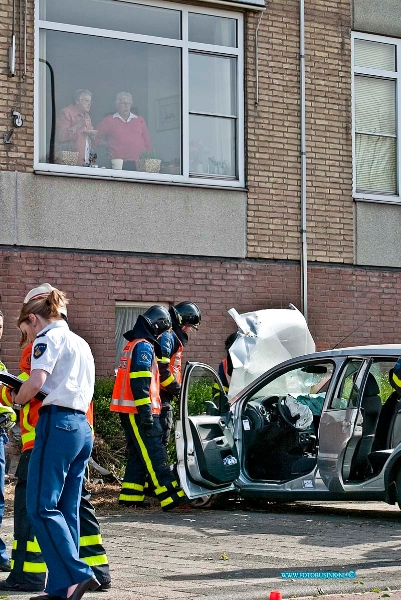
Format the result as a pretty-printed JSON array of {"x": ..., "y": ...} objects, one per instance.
[
  {"x": 212, "y": 84},
  {"x": 115, "y": 101},
  {"x": 211, "y": 146},
  {"x": 114, "y": 16},
  {"x": 208, "y": 29}
]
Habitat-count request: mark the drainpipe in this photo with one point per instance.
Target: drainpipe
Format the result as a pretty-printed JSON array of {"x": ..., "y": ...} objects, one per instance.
[{"x": 304, "y": 254}]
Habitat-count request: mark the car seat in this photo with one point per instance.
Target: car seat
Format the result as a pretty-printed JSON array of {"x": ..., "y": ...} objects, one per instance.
[
  {"x": 388, "y": 434},
  {"x": 370, "y": 409}
]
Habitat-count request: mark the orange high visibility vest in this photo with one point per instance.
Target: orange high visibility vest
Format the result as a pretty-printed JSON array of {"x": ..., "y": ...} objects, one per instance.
[
  {"x": 225, "y": 370},
  {"x": 175, "y": 362},
  {"x": 29, "y": 413},
  {"x": 122, "y": 399}
]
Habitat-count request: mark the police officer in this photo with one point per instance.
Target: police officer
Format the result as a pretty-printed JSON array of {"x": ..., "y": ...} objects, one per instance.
[
  {"x": 184, "y": 317},
  {"x": 28, "y": 572},
  {"x": 136, "y": 398},
  {"x": 63, "y": 365}
]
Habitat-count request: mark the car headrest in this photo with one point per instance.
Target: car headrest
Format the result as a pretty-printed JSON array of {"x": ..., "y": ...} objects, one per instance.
[{"x": 371, "y": 386}]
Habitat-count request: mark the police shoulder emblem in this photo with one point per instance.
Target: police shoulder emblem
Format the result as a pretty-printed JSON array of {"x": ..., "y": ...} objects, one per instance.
[{"x": 39, "y": 350}]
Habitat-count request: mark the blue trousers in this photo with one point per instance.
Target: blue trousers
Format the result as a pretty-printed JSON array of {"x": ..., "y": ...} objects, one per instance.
[
  {"x": 56, "y": 470},
  {"x": 3, "y": 552}
]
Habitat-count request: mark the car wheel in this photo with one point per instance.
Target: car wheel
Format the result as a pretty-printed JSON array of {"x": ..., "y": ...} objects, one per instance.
[{"x": 203, "y": 502}]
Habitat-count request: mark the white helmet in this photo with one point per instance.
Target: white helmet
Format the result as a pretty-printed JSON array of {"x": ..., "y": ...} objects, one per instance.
[{"x": 42, "y": 291}]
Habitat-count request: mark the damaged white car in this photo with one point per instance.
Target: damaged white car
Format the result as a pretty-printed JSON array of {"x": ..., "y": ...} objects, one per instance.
[{"x": 321, "y": 426}]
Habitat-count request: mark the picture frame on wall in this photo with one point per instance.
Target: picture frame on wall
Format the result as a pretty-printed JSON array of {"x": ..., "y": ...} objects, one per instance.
[{"x": 168, "y": 113}]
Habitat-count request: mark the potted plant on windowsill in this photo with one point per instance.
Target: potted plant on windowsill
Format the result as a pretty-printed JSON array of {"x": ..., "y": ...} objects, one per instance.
[
  {"x": 173, "y": 167},
  {"x": 148, "y": 162},
  {"x": 67, "y": 156}
]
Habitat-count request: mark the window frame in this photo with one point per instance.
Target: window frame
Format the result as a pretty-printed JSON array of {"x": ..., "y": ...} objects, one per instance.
[
  {"x": 186, "y": 47},
  {"x": 394, "y": 76},
  {"x": 128, "y": 304}
]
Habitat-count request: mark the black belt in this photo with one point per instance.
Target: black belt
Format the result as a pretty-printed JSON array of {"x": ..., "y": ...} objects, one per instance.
[{"x": 56, "y": 408}]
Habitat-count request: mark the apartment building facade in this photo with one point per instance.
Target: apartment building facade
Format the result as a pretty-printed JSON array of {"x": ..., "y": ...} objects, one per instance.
[{"x": 271, "y": 174}]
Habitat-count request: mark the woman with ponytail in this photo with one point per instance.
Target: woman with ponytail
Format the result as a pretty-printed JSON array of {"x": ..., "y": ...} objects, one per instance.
[{"x": 62, "y": 365}]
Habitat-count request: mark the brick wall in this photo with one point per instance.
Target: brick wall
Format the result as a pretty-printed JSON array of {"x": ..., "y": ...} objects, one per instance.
[
  {"x": 341, "y": 298},
  {"x": 272, "y": 126},
  {"x": 16, "y": 93},
  {"x": 274, "y": 134}
]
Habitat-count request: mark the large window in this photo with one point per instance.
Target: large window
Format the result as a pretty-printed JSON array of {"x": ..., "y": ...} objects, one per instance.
[
  {"x": 376, "y": 116},
  {"x": 126, "y": 316},
  {"x": 139, "y": 91}
]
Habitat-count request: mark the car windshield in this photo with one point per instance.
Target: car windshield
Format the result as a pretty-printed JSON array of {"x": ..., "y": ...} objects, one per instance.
[{"x": 308, "y": 384}]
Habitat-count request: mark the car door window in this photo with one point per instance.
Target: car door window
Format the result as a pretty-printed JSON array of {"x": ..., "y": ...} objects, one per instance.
[
  {"x": 307, "y": 384},
  {"x": 205, "y": 394},
  {"x": 346, "y": 394}
]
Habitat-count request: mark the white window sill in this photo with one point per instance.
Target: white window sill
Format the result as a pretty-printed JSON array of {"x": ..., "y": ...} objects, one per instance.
[
  {"x": 133, "y": 176},
  {"x": 377, "y": 198}
]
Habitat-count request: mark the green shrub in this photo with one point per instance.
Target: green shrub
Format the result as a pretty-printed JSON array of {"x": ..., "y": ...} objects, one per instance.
[{"x": 109, "y": 448}]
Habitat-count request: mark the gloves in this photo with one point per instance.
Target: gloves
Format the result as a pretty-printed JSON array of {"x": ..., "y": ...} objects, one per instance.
[
  {"x": 146, "y": 419},
  {"x": 7, "y": 417}
]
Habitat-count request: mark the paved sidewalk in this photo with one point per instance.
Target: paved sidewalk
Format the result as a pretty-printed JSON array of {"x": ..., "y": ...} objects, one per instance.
[{"x": 228, "y": 555}]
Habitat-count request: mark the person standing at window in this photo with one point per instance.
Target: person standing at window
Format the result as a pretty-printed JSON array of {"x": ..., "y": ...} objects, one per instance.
[
  {"x": 74, "y": 126},
  {"x": 61, "y": 363},
  {"x": 125, "y": 134},
  {"x": 136, "y": 397}
]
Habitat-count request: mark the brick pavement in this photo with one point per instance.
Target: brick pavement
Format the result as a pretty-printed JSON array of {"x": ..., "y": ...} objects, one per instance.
[{"x": 239, "y": 554}]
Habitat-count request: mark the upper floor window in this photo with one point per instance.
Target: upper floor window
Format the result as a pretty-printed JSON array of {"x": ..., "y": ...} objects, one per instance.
[
  {"x": 139, "y": 91},
  {"x": 376, "y": 143}
]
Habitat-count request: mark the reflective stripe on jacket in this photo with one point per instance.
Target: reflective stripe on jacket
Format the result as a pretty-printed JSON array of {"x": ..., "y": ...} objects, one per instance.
[{"x": 122, "y": 397}]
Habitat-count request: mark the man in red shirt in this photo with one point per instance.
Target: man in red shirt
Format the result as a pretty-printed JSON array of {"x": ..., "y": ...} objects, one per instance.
[
  {"x": 125, "y": 134},
  {"x": 74, "y": 126}
]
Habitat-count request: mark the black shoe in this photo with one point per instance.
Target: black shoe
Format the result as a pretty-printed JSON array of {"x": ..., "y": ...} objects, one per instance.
[
  {"x": 88, "y": 584},
  {"x": 5, "y": 566},
  {"x": 180, "y": 502},
  {"x": 103, "y": 587},
  {"x": 143, "y": 504},
  {"x": 17, "y": 587}
]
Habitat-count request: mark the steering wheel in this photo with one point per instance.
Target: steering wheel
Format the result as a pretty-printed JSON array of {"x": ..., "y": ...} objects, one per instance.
[{"x": 284, "y": 413}]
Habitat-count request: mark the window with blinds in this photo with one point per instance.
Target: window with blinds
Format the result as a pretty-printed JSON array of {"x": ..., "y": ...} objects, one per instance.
[
  {"x": 376, "y": 159},
  {"x": 126, "y": 316}
]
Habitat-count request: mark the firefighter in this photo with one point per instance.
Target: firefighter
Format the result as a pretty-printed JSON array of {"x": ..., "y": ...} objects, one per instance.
[
  {"x": 28, "y": 572},
  {"x": 136, "y": 398},
  {"x": 184, "y": 317},
  {"x": 225, "y": 370}
]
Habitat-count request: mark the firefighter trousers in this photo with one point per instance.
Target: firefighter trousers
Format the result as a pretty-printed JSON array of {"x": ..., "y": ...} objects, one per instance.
[
  {"x": 147, "y": 457},
  {"x": 28, "y": 566}
]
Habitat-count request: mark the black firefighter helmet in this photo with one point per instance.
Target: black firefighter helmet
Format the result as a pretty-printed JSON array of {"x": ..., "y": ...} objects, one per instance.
[
  {"x": 158, "y": 319},
  {"x": 188, "y": 313}
]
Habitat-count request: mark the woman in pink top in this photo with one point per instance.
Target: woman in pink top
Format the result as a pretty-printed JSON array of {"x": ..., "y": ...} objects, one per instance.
[
  {"x": 125, "y": 134},
  {"x": 74, "y": 126}
]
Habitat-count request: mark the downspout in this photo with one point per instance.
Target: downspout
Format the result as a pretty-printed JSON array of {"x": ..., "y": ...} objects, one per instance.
[{"x": 304, "y": 253}]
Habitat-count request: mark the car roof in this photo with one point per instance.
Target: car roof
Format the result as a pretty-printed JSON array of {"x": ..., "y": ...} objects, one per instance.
[
  {"x": 380, "y": 350},
  {"x": 373, "y": 350}
]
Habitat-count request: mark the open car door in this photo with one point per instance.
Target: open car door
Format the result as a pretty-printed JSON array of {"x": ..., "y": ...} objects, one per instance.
[
  {"x": 207, "y": 458},
  {"x": 339, "y": 429}
]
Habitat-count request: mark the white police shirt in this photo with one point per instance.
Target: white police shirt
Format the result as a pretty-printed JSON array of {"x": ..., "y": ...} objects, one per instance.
[{"x": 68, "y": 360}]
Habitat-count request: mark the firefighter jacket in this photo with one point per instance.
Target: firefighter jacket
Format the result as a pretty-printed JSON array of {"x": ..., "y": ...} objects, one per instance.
[
  {"x": 29, "y": 413},
  {"x": 136, "y": 388},
  {"x": 224, "y": 372},
  {"x": 170, "y": 366}
]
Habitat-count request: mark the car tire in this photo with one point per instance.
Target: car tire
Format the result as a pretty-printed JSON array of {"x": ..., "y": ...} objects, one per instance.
[{"x": 203, "y": 502}]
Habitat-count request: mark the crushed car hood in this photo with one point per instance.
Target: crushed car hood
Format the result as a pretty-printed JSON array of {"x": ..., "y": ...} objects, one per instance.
[{"x": 265, "y": 339}]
